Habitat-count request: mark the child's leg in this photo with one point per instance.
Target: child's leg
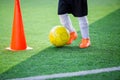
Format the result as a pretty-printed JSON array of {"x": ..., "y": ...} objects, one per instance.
[
  {"x": 84, "y": 28},
  {"x": 65, "y": 21}
]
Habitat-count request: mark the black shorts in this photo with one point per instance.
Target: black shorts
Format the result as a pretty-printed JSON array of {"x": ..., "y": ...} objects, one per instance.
[{"x": 78, "y": 8}]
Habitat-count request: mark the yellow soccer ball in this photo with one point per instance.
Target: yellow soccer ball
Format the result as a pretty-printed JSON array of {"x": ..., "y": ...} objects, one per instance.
[{"x": 59, "y": 36}]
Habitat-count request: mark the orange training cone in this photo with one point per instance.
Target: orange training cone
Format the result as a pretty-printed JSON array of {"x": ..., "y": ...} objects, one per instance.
[{"x": 18, "y": 41}]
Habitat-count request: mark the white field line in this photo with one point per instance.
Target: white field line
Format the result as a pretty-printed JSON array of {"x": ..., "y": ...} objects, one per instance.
[{"x": 70, "y": 74}]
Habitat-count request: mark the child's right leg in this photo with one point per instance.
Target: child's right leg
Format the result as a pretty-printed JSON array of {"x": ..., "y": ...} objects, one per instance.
[{"x": 65, "y": 21}]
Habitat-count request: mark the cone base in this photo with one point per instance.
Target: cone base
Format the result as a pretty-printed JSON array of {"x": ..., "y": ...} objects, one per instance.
[{"x": 28, "y": 48}]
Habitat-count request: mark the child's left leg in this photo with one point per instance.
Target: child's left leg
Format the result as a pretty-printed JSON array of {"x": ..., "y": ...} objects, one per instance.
[{"x": 84, "y": 28}]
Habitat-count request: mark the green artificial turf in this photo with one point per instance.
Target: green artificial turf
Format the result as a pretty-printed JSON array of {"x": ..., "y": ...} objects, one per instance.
[{"x": 39, "y": 16}]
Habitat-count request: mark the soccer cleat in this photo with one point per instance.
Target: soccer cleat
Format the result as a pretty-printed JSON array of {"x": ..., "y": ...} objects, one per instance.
[
  {"x": 73, "y": 36},
  {"x": 85, "y": 43}
]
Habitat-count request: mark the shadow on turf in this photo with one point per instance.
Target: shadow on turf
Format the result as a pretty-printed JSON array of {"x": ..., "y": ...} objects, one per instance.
[
  {"x": 56, "y": 60},
  {"x": 51, "y": 59}
]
